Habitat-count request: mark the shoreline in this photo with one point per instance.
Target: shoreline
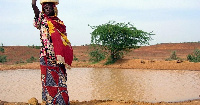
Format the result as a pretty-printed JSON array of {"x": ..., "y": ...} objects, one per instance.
[
  {"x": 33, "y": 101},
  {"x": 121, "y": 64}
]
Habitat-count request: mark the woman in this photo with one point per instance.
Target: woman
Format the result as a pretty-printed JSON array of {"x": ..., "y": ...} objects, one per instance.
[{"x": 56, "y": 53}]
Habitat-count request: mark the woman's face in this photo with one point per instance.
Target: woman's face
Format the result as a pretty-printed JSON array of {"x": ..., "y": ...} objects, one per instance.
[{"x": 49, "y": 9}]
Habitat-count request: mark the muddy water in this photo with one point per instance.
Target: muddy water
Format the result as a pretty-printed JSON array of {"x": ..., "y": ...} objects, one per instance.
[{"x": 86, "y": 84}]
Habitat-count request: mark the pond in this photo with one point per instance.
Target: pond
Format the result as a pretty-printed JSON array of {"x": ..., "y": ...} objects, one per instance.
[{"x": 86, "y": 84}]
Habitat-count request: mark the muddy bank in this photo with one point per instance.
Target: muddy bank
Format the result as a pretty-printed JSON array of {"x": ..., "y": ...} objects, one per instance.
[
  {"x": 34, "y": 101},
  {"x": 122, "y": 64}
]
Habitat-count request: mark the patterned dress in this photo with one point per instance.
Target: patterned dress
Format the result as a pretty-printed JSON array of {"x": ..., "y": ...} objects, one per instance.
[{"x": 55, "y": 53}]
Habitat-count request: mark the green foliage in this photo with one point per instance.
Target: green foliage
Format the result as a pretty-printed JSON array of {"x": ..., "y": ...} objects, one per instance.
[
  {"x": 75, "y": 58},
  {"x": 118, "y": 37},
  {"x": 3, "y": 58},
  {"x": 2, "y": 49},
  {"x": 195, "y": 56},
  {"x": 31, "y": 60},
  {"x": 97, "y": 55},
  {"x": 173, "y": 56}
]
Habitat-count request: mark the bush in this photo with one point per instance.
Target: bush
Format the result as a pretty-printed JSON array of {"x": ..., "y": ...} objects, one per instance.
[
  {"x": 2, "y": 49},
  {"x": 3, "y": 58},
  {"x": 97, "y": 55},
  {"x": 31, "y": 60},
  {"x": 75, "y": 58},
  {"x": 173, "y": 56},
  {"x": 195, "y": 56}
]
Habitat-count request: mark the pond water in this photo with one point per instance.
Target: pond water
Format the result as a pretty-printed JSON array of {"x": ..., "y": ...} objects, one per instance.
[{"x": 86, "y": 84}]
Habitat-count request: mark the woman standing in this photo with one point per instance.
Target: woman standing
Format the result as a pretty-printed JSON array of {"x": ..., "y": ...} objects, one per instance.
[{"x": 55, "y": 53}]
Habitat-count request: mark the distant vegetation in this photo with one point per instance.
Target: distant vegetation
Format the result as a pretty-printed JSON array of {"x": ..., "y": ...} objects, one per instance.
[
  {"x": 19, "y": 62},
  {"x": 173, "y": 56},
  {"x": 31, "y": 59},
  {"x": 33, "y": 46},
  {"x": 195, "y": 56},
  {"x": 2, "y": 49},
  {"x": 75, "y": 58},
  {"x": 3, "y": 58}
]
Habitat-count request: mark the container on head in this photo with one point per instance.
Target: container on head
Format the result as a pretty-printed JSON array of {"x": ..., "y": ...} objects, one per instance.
[{"x": 54, "y": 1}]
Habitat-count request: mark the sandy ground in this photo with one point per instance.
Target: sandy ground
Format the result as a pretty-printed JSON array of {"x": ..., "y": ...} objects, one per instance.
[{"x": 109, "y": 102}]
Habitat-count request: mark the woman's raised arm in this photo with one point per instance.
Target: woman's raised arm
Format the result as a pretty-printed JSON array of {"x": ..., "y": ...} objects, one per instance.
[{"x": 35, "y": 8}]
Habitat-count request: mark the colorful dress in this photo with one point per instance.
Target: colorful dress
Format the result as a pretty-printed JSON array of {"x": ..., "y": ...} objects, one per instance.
[{"x": 55, "y": 53}]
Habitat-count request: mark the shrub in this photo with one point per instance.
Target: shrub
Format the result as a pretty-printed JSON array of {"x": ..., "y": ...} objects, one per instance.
[
  {"x": 173, "y": 56},
  {"x": 97, "y": 55},
  {"x": 75, "y": 58},
  {"x": 2, "y": 49},
  {"x": 31, "y": 60},
  {"x": 3, "y": 58},
  {"x": 195, "y": 56}
]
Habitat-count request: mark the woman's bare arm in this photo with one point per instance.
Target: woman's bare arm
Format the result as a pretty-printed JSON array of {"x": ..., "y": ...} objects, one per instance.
[{"x": 35, "y": 8}]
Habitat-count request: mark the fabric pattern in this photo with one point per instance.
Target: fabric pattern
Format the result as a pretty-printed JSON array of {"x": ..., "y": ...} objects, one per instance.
[
  {"x": 54, "y": 88},
  {"x": 54, "y": 40},
  {"x": 55, "y": 53},
  {"x": 45, "y": 38}
]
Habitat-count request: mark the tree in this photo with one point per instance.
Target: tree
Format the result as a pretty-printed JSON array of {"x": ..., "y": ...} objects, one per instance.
[{"x": 118, "y": 37}]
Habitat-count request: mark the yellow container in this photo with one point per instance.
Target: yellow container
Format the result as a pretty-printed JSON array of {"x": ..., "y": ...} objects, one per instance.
[{"x": 55, "y": 1}]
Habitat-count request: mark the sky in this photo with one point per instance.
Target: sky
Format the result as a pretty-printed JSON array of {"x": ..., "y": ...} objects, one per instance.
[{"x": 172, "y": 21}]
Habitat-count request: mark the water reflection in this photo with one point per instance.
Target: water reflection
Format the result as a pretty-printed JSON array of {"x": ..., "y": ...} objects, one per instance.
[
  {"x": 114, "y": 85},
  {"x": 86, "y": 84},
  {"x": 138, "y": 85}
]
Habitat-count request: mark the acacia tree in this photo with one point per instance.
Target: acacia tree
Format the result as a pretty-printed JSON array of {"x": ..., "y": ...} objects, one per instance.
[{"x": 118, "y": 37}]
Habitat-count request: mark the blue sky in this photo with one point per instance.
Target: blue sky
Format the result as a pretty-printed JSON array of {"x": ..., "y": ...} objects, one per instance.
[{"x": 172, "y": 21}]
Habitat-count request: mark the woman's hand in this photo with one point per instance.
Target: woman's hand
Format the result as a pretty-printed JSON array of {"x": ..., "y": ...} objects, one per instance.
[
  {"x": 35, "y": 8},
  {"x": 34, "y": 2}
]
